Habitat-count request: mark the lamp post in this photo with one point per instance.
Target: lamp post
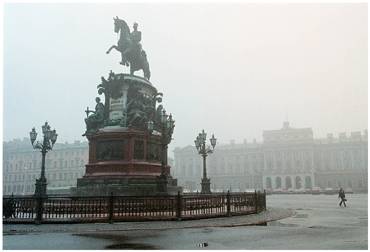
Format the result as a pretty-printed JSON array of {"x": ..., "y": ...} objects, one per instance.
[
  {"x": 204, "y": 151},
  {"x": 166, "y": 126},
  {"x": 50, "y": 137}
]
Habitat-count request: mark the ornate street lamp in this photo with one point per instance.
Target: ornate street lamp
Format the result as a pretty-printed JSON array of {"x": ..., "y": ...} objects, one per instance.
[
  {"x": 165, "y": 126},
  {"x": 204, "y": 151},
  {"x": 50, "y": 137}
]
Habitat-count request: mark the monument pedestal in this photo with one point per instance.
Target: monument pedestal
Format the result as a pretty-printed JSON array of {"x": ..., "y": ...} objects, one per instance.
[{"x": 125, "y": 157}]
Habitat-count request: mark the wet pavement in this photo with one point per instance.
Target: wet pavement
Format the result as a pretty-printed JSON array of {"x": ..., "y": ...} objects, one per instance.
[{"x": 318, "y": 223}]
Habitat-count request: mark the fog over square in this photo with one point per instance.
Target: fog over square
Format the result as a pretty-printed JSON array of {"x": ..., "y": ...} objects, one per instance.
[{"x": 232, "y": 69}]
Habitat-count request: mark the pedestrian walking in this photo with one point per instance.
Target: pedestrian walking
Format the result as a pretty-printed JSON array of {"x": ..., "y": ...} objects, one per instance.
[{"x": 342, "y": 197}]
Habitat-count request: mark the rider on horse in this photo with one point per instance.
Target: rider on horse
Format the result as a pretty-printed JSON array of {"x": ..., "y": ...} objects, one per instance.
[{"x": 130, "y": 47}]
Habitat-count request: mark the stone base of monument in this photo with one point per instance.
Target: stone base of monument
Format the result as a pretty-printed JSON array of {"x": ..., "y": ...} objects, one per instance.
[
  {"x": 125, "y": 162},
  {"x": 124, "y": 187}
]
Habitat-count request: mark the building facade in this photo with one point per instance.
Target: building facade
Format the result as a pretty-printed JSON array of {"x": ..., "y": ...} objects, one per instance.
[
  {"x": 22, "y": 165},
  {"x": 63, "y": 165},
  {"x": 287, "y": 159}
]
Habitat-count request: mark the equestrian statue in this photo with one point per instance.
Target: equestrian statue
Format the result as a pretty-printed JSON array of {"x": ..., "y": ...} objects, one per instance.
[{"x": 130, "y": 48}]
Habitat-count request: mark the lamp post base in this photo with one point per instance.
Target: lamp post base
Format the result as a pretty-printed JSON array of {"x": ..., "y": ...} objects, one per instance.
[
  {"x": 40, "y": 187},
  {"x": 206, "y": 185}
]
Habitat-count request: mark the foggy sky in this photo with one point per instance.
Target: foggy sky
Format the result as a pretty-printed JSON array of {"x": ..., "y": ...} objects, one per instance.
[{"x": 232, "y": 69}]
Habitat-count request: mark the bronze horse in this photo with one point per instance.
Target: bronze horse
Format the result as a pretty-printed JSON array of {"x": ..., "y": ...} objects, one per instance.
[{"x": 131, "y": 52}]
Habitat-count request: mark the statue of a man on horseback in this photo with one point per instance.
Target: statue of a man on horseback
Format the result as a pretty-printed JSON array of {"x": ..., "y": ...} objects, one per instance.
[{"x": 130, "y": 47}]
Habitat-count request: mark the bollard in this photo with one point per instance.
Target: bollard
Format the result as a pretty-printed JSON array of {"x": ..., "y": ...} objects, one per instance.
[
  {"x": 178, "y": 205},
  {"x": 110, "y": 208},
  {"x": 228, "y": 203}
]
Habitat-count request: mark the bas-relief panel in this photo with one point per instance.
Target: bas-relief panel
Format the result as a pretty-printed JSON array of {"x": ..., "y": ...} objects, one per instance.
[{"x": 110, "y": 150}]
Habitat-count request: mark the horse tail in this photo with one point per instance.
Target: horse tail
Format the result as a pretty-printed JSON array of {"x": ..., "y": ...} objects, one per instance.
[
  {"x": 146, "y": 70},
  {"x": 145, "y": 65}
]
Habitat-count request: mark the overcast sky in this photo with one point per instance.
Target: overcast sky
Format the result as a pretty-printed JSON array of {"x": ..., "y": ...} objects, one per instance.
[{"x": 232, "y": 69}]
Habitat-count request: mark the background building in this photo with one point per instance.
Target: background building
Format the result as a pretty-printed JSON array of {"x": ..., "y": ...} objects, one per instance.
[
  {"x": 22, "y": 165},
  {"x": 64, "y": 164},
  {"x": 287, "y": 159}
]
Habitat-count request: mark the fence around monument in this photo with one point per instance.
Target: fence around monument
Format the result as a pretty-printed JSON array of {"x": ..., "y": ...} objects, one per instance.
[{"x": 67, "y": 209}]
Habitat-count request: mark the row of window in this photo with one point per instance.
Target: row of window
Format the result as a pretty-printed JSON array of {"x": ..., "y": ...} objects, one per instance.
[
  {"x": 30, "y": 188},
  {"x": 49, "y": 176},
  {"x": 219, "y": 169},
  {"x": 52, "y": 154},
  {"x": 48, "y": 163}
]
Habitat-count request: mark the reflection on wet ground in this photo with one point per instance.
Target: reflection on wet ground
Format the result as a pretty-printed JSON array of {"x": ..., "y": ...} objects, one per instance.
[
  {"x": 130, "y": 246},
  {"x": 120, "y": 240},
  {"x": 278, "y": 223}
]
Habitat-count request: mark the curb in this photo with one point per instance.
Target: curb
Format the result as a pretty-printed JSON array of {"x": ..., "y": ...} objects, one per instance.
[{"x": 271, "y": 214}]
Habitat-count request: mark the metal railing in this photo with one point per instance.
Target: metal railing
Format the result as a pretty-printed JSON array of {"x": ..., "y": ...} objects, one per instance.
[{"x": 69, "y": 209}]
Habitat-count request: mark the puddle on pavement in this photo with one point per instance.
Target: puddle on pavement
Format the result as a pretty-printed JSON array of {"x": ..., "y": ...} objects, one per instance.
[
  {"x": 131, "y": 246},
  {"x": 300, "y": 216},
  {"x": 279, "y": 224},
  {"x": 207, "y": 230},
  {"x": 119, "y": 241},
  {"x": 317, "y": 227}
]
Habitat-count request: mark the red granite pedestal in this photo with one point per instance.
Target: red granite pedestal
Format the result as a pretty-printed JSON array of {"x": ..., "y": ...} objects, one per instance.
[{"x": 124, "y": 161}]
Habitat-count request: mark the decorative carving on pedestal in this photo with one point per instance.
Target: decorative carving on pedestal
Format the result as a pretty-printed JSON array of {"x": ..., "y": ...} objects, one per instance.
[
  {"x": 154, "y": 152},
  {"x": 110, "y": 150}
]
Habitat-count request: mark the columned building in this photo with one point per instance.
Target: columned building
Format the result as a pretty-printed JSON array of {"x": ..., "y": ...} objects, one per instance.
[
  {"x": 234, "y": 166},
  {"x": 287, "y": 159},
  {"x": 342, "y": 161},
  {"x": 22, "y": 165}
]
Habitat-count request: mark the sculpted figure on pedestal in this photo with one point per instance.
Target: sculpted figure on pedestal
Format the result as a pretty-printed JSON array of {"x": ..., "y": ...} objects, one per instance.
[
  {"x": 136, "y": 116},
  {"x": 96, "y": 120}
]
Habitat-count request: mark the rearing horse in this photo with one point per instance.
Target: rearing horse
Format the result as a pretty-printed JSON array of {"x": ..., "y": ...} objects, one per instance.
[{"x": 131, "y": 53}]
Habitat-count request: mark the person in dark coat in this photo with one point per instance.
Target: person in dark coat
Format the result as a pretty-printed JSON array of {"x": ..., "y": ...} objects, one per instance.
[{"x": 342, "y": 197}]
